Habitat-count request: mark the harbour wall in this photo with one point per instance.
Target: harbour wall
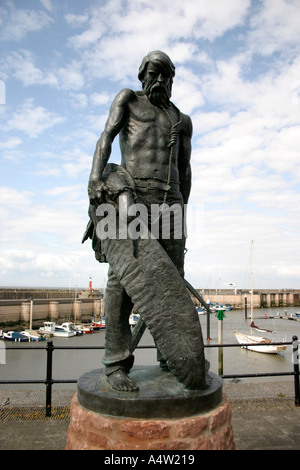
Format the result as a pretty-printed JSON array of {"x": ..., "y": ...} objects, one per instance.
[
  {"x": 261, "y": 298},
  {"x": 15, "y": 304},
  {"x": 236, "y": 301},
  {"x": 23, "y": 293},
  {"x": 17, "y": 313}
]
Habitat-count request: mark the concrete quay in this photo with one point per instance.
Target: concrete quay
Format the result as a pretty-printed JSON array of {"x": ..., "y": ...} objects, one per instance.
[{"x": 264, "y": 417}]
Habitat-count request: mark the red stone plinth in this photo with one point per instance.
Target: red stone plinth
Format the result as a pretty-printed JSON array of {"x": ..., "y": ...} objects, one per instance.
[{"x": 211, "y": 430}]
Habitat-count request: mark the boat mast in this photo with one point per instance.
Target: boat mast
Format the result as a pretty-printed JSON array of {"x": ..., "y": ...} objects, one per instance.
[{"x": 251, "y": 311}]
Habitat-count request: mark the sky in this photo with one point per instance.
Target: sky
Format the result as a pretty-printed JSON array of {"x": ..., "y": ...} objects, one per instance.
[{"x": 237, "y": 77}]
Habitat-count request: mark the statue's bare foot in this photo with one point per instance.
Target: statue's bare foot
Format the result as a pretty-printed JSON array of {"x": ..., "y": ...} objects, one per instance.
[{"x": 119, "y": 380}]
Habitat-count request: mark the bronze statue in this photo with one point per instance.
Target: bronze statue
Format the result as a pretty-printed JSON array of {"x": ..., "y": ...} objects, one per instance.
[{"x": 155, "y": 143}]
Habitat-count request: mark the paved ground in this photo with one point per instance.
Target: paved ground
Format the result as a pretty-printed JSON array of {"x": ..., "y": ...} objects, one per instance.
[{"x": 264, "y": 417}]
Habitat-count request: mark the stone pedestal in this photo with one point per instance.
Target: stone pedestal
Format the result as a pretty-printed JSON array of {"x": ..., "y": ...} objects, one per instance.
[{"x": 162, "y": 415}]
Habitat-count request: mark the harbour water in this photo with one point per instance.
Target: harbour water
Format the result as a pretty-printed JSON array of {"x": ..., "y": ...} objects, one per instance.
[{"x": 70, "y": 364}]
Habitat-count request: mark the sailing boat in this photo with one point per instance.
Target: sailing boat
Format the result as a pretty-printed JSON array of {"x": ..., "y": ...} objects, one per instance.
[
  {"x": 100, "y": 323},
  {"x": 245, "y": 339}
]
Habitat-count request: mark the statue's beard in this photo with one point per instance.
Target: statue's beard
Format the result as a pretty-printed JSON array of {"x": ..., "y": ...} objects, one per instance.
[{"x": 158, "y": 96}]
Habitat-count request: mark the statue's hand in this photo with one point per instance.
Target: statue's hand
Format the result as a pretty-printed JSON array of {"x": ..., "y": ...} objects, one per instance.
[{"x": 95, "y": 191}]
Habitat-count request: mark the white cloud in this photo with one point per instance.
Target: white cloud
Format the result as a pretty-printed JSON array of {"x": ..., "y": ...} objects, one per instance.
[
  {"x": 204, "y": 122},
  {"x": 43, "y": 239},
  {"x": 71, "y": 76},
  {"x": 78, "y": 100},
  {"x": 186, "y": 90},
  {"x": 70, "y": 191},
  {"x": 47, "y": 4},
  {"x": 22, "y": 65},
  {"x": 207, "y": 19},
  {"x": 39, "y": 265},
  {"x": 32, "y": 120},
  {"x": 258, "y": 126},
  {"x": 237, "y": 74},
  {"x": 43, "y": 218},
  {"x": 99, "y": 99},
  {"x": 82, "y": 164},
  {"x": 75, "y": 162},
  {"x": 22, "y": 22},
  {"x": 213, "y": 18},
  {"x": 11, "y": 197},
  {"x": 76, "y": 20},
  {"x": 172, "y": 26},
  {"x": 274, "y": 26},
  {"x": 11, "y": 143},
  {"x": 49, "y": 263}
]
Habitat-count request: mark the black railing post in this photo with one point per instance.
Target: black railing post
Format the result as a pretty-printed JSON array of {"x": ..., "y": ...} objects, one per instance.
[
  {"x": 49, "y": 380},
  {"x": 208, "y": 324},
  {"x": 296, "y": 370}
]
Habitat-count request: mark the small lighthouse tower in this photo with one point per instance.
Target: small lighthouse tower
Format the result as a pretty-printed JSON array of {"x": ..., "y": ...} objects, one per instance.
[{"x": 90, "y": 283}]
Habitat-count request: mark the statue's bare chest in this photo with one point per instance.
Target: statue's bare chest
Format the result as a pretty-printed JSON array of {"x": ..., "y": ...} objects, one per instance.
[{"x": 143, "y": 115}]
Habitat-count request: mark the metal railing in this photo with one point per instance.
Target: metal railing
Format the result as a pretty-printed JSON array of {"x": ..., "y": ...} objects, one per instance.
[{"x": 49, "y": 381}]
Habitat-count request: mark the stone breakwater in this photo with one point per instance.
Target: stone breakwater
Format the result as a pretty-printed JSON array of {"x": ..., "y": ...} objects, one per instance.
[{"x": 16, "y": 313}]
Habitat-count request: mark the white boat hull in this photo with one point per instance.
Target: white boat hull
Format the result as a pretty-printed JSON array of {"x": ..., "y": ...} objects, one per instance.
[
  {"x": 61, "y": 334},
  {"x": 33, "y": 335},
  {"x": 86, "y": 329},
  {"x": 99, "y": 325},
  {"x": 63, "y": 331},
  {"x": 248, "y": 339},
  {"x": 15, "y": 336}
]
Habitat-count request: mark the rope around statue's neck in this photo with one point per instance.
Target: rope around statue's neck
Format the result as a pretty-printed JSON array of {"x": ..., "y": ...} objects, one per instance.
[{"x": 171, "y": 144}]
